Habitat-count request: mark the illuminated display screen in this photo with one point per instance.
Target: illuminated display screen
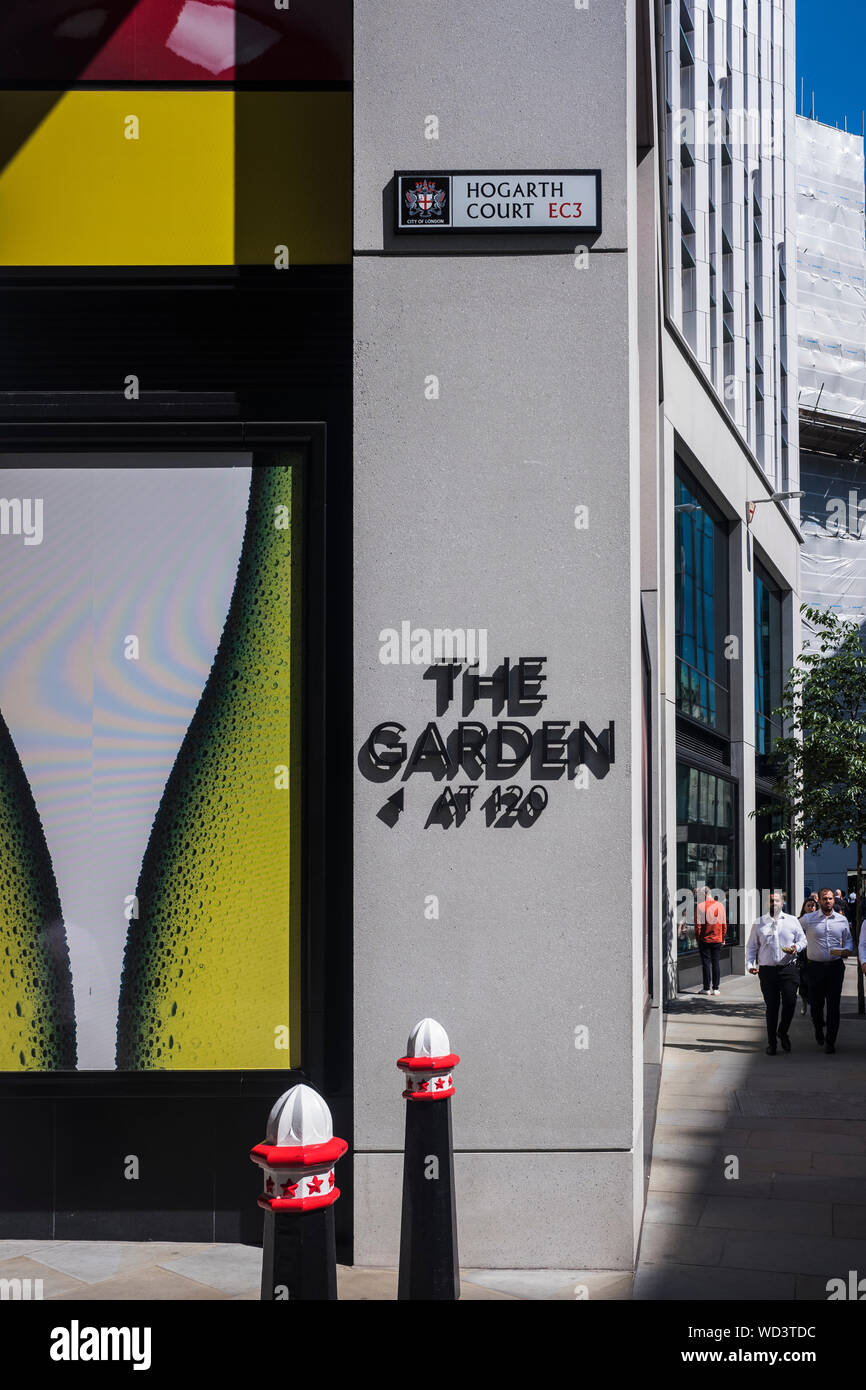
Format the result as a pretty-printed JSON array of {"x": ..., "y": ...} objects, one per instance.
[{"x": 150, "y": 744}]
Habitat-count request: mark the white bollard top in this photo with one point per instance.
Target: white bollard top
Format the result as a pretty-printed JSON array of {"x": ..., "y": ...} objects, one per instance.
[
  {"x": 299, "y": 1118},
  {"x": 428, "y": 1039}
]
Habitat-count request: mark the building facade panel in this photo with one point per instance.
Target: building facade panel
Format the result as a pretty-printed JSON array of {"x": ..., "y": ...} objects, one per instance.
[
  {"x": 732, "y": 438},
  {"x": 496, "y": 488},
  {"x": 505, "y": 86}
]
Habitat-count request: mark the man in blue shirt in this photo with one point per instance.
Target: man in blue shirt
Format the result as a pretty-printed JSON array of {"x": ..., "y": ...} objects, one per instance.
[
  {"x": 829, "y": 943},
  {"x": 771, "y": 954}
]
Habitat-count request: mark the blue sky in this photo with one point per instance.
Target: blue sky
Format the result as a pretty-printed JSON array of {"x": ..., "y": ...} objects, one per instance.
[{"x": 831, "y": 56}]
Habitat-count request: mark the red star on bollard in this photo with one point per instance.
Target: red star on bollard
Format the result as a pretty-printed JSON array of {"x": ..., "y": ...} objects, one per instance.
[
  {"x": 290, "y": 1188},
  {"x": 331, "y": 1178},
  {"x": 440, "y": 1082},
  {"x": 315, "y": 1185},
  {"x": 269, "y": 1185}
]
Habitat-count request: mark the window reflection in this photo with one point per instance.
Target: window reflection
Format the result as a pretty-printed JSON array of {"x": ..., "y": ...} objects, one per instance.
[
  {"x": 768, "y": 668},
  {"x": 702, "y": 623},
  {"x": 705, "y": 845}
]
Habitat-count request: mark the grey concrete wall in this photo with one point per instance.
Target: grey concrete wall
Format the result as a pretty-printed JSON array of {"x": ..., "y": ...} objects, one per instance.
[
  {"x": 464, "y": 513},
  {"x": 513, "y": 86},
  {"x": 496, "y": 1193}
]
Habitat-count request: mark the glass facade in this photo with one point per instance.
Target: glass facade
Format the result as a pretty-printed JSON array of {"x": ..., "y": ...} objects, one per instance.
[
  {"x": 646, "y": 817},
  {"x": 768, "y": 668},
  {"x": 772, "y": 861},
  {"x": 702, "y": 608},
  {"x": 706, "y": 851}
]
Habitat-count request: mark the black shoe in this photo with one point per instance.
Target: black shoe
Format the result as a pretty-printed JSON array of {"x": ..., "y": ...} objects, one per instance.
[
  {"x": 771, "y": 1050},
  {"x": 830, "y": 1048},
  {"x": 785, "y": 1041},
  {"x": 819, "y": 1036}
]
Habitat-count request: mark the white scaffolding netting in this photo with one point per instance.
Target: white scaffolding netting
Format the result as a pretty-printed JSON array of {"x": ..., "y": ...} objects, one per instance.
[
  {"x": 831, "y": 270},
  {"x": 833, "y": 522}
]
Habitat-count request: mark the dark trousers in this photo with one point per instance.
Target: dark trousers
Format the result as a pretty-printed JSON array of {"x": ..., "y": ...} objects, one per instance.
[
  {"x": 710, "y": 953},
  {"x": 826, "y": 978},
  {"x": 779, "y": 988},
  {"x": 802, "y": 959}
]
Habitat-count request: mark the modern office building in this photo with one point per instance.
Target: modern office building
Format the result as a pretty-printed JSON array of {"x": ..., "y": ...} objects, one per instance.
[
  {"x": 729, "y": 394},
  {"x": 549, "y": 582},
  {"x": 657, "y": 388},
  {"x": 831, "y": 287}
]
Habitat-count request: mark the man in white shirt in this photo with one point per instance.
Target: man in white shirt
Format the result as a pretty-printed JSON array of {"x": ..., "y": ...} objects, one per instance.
[
  {"x": 771, "y": 954},
  {"x": 829, "y": 943}
]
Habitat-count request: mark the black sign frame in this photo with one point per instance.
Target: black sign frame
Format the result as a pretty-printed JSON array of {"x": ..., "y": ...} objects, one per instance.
[{"x": 594, "y": 228}]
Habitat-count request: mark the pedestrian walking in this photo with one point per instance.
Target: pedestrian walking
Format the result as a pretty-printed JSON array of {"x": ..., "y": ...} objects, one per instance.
[
  {"x": 711, "y": 929},
  {"x": 829, "y": 944},
  {"x": 771, "y": 954},
  {"x": 810, "y": 904}
]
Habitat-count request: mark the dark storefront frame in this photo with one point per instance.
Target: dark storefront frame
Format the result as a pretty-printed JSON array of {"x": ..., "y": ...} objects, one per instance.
[
  {"x": 685, "y": 945},
  {"x": 647, "y": 885},
  {"x": 702, "y": 622},
  {"x": 702, "y": 697},
  {"x": 222, "y": 357},
  {"x": 772, "y": 861},
  {"x": 769, "y": 662},
  {"x": 63, "y": 1135}
]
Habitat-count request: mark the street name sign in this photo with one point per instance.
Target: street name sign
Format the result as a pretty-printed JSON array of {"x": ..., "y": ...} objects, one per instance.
[{"x": 522, "y": 200}]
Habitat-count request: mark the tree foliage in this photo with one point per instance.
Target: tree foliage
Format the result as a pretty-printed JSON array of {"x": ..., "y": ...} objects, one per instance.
[{"x": 819, "y": 762}]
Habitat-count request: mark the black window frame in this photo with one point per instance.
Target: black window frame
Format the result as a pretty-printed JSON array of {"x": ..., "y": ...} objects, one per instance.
[
  {"x": 776, "y": 594},
  {"x": 685, "y": 481}
]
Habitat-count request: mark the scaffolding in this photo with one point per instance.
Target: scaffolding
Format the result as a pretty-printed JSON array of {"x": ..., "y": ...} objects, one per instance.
[
  {"x": 831, "y": 291},
  {"x": 831, "y": 270}
]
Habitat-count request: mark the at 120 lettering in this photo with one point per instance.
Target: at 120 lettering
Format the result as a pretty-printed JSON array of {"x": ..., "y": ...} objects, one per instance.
[{"x": 503, "y": 808}]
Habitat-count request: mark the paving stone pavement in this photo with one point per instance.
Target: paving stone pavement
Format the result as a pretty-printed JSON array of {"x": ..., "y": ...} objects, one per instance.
[
  {"x": 105, "y": 1270},
  {"x": 793, "y": 1127}
]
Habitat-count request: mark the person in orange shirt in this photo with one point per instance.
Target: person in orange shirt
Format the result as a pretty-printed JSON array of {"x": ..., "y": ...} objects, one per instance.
[{"x": 711, "y": 928}]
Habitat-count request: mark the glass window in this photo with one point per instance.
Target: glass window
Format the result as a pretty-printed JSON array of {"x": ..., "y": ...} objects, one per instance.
[
  {"x": 702, "y": 611},
  {"x": 705, "y": 847},
  {"x": 768, "y": 667},
  {"x": 772, "y": 861}
]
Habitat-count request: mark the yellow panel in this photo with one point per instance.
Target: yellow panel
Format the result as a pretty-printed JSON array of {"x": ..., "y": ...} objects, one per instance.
[
  {"x": 294, "y": 176},
  {"x": 80, "y": 193}
]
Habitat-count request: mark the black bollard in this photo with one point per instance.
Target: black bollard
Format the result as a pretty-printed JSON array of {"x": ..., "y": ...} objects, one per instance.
[
  {"x": 299, "y": 1260},
  {"x": 429, "y": 1267}
]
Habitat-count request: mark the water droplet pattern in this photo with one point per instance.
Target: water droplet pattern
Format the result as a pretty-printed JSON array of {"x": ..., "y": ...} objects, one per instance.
[
  {"x": 37, "y": 1015},
  {"x": 210, "y": 964}
]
